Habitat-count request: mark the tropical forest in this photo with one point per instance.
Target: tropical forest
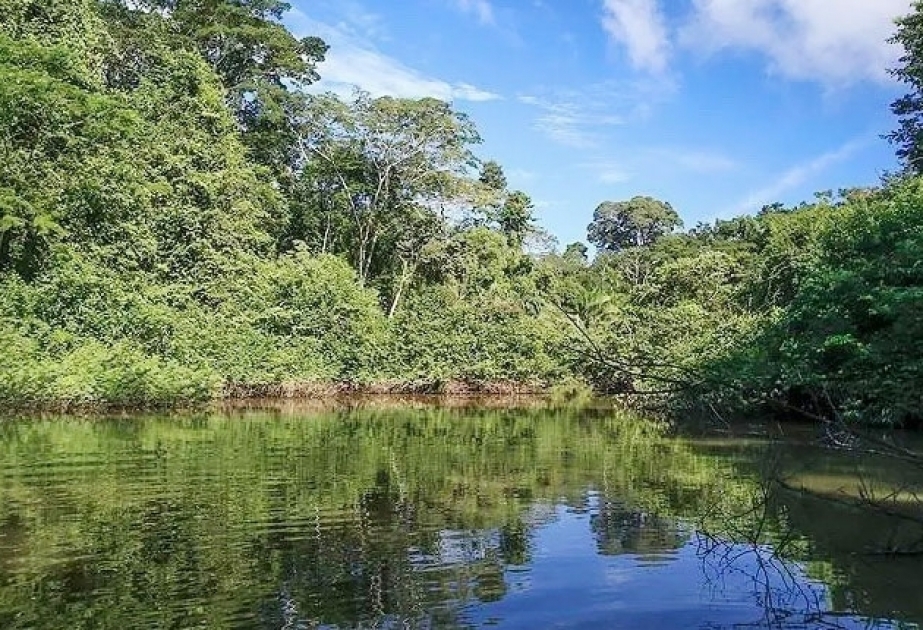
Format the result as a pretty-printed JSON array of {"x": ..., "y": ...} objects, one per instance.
[
  {"x": 272, "y": 355},
  {"x": 182, "y": 221}
]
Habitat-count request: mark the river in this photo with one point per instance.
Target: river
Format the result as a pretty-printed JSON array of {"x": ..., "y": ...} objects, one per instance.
[{"x": 430, "y": 516}]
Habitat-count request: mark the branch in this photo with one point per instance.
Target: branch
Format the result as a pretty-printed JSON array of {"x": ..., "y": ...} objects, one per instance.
[{"x": 622, "y": 366}]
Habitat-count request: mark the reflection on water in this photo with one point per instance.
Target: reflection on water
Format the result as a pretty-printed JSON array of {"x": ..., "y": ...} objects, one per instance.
[{"x": 426, "y": 518}]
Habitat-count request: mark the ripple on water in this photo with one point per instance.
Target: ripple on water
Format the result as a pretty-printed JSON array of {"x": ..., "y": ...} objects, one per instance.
[{"x": 363, "y": 521}]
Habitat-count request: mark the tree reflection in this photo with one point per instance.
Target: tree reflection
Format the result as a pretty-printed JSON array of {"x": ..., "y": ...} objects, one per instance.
[
  {"x": 366, "y": 518},
  {"x": 620, "y": 529}
]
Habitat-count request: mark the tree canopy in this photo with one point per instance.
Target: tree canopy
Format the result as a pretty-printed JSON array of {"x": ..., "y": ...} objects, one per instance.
[
  {"x": 180, "y": 220},
  {"x": 634, "y": 223},
  {"x": 908, "y": 137}
]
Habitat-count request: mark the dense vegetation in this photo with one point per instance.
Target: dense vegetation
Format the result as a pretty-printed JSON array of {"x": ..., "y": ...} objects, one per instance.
[{"x": 179, "y": 219}]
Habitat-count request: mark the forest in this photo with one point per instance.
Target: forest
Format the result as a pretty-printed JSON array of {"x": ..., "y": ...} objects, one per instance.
[{"x": 182, "y": 220}]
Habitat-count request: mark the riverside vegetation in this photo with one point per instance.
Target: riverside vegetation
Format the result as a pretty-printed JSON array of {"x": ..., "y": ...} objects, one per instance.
[{"x": 181, "y": 220}]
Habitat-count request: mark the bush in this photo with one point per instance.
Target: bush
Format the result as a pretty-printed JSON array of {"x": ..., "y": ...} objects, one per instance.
[
  {"x": 439, "y": 337},
  {"x": 94, "y": 374}
]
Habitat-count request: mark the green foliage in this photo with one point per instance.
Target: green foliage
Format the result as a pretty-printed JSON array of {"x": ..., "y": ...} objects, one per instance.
[
  {"x": 634, "y": 223},
  {"x": 179, "y": 218},
  {"x": 381, "y": 166},
  {"x": 62, "y": 143},
  {"x": 93, "y": 373},
  {"x": 811, "y": 309},
  {"x": 853, "y": 331},
  {"x": 842, "y": 333},
  {"x": 493, "y": 338},
  {"x": 909, "y": 107},
  {"x": 300, "y": 298},
  {"x": 259, "y": 63},
  {"x": 74, "y": 25},
  {"x": 515, "y": 217},
  {"x": 492, "y": 176}
]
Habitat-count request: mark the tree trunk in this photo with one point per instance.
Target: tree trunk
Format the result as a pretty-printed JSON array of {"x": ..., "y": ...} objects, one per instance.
[
  {"x": 4, "y": 248},
  {"x": 401, "y": 283},
  {"x": 326, "y": 234}
]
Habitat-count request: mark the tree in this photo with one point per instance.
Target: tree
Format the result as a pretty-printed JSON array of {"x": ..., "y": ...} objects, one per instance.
[
  {"x": 634, "y": 223},
  {"x": 384, "y": 157},
  {"x": 64, "y": 145},
  {"x": 492, "y": 176},
  {"x": 243, "y": 41},
  {"x": 576, "y": 253},
  {"x": 262, "y": 66},
  {"x": 908, "y": 137},
  {"x": 515, "y": 217}
]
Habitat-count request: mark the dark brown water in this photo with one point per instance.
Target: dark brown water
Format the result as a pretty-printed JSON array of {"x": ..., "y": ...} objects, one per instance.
[{"x": 426, "y": 518}]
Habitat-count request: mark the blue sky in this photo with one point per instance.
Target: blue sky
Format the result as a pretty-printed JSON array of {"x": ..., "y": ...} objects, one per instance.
[{"x": 717, "y": 106}]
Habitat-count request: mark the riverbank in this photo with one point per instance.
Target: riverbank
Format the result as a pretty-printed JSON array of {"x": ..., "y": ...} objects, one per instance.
[{"x": 321, "y": 394}]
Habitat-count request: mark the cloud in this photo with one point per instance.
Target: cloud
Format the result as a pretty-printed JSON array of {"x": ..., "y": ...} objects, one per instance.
[
  {"x": 622, "y": 169},
  {"x": 583, "y": 117},
  {"x": 352, "y": 63},
  {"x": 352, "y": 66},
  {"x": 571, "y": 122},
  {"x": 640, "y": 27},
  {"x": 798, "y": 175},
  {"x": 482, "y": 9},
  {"x": 357, "y": 21},
  {"x": 836, "y": 42},
  {"x": 607, "y": 171},
  {"x": 521, "y": 175},
  {"x": 695, "y": 160}
]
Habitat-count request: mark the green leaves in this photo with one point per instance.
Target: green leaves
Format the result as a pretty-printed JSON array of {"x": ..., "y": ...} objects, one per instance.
[
  {"x": 54, "y": 127},
  {"x": 634, "y": 223},
  {"x": 849, "y": 331},
  {"x": 909, "y": 107}
]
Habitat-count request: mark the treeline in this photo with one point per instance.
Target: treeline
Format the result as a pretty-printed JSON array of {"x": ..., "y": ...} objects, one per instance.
[
  {"x": 180, "y": 219},
  {"x": 814, "y": 310}
]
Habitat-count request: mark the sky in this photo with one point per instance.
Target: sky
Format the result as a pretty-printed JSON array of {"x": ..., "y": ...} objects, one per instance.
[{"x": 716, "y": 106}]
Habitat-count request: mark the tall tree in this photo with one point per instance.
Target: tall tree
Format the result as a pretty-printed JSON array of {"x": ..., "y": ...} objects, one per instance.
[
  {"x": 150, "y": 176},
  {"x": 576, "y": 253},
  {"x": 515, "y": 217},
  {"x": 64, "y": 142},
  {"x": 634, "y": 223},
  {"x": 262, "y": 66},
  {"x": 492, "y": 176},
  {"x": 908, "y": 137},
  {"x": 384, "y": 157}
]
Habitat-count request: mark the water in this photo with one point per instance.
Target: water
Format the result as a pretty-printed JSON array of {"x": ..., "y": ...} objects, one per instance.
[{"x": 423, "y": 517}]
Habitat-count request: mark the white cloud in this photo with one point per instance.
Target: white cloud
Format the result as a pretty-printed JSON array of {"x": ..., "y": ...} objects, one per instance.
[
  {"x": 482, "y": 9},
  {"x": 357, "y": 21},
  {"x": 350, "y": 66},
  {"x": 351, "y": 63},
  {"x": 573, "y": 123},
  {"x": 607, "y": 171},
  {"x": 798, "y": 175},
  {"x": 837, "y": 42},
  {"x": 696, "y": 160},
  {"x": 468, "y": 92},
  {"x": 640, "y": 27},
  {"x": 521, "y": 175},
  {"x": 585, "y": 116},
  {"x": 620, "y": 169}
]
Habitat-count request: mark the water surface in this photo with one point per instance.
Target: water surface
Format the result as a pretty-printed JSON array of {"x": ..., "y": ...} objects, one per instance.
[{"x": 427, "y": 517}]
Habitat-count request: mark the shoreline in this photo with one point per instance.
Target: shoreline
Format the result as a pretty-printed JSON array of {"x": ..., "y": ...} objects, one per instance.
[{"x": 230, "y": 396}]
